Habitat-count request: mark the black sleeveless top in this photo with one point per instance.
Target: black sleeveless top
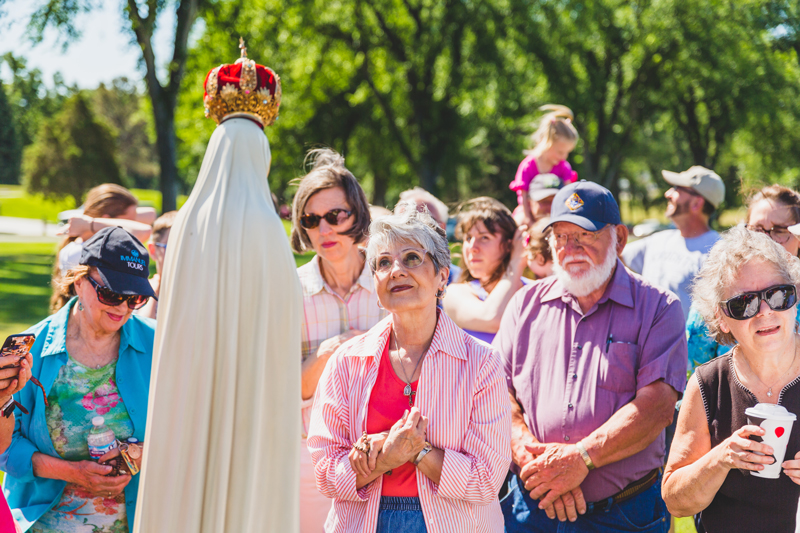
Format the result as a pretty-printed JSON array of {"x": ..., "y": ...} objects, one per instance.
[{"x": 745, "y": 502}]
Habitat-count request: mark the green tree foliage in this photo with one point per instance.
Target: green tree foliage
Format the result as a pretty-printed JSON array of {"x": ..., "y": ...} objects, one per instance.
[
  {"x": 10, "y": 149},
  {"x": 444, "y": 94},
  {"x": 122, "y": 106},
  {"x": 142, "y": 17},
  {"x": 73, "y": 152}
]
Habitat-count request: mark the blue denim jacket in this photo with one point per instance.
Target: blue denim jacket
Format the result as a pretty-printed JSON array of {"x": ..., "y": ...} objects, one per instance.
[{"x": 29, "y": 496}]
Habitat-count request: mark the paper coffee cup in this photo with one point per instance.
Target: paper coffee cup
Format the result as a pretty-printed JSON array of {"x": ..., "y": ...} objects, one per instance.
[{"x": 777, "y": 424}]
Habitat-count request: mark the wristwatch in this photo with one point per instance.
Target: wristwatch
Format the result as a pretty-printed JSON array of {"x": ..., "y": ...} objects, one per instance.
[
  {"x": 8, "y": 408},
  {"x": 585, "y": 455},
  {"x": 425, "y": 451}
]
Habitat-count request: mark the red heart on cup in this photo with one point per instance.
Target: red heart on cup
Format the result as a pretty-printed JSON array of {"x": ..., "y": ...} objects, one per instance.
[{"x": 779, "y": 432}]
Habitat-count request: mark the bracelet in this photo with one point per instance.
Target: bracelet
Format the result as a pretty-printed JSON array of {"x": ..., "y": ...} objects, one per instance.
[{"x": 585, "y": 455}]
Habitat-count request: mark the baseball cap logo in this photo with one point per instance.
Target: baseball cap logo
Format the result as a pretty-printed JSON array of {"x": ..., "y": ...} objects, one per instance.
[
  {"x": 134, "y": 253},
  {"x": 574, "y": 202}
]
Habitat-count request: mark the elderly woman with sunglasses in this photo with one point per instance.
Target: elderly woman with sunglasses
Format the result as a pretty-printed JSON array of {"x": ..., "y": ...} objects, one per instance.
[
  {"x": 411, "y": 424},
  {"x": 93, "y": 359},
  {"x": 330, "y": 216},
  {"x": 746, "y": 292}
]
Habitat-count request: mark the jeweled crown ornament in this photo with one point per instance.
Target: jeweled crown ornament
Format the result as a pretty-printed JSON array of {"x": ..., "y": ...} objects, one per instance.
[{"x": 244, "y": 89}]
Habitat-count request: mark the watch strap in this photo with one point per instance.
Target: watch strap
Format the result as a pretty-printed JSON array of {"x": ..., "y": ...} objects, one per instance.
[
  {"x": 585, "y": 455},
  {"x": 425, "y": 451}
]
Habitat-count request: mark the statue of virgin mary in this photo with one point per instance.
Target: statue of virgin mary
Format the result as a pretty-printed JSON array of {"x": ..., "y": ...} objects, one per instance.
[{"x": 220, "y": 452}]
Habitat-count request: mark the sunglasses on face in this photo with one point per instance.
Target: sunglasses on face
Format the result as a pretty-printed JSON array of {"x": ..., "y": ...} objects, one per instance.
[
  {"x": 747, "y": 305},
  {"x": 334, "y": 217},
  {"x": 108, "y": 297},
  {"x": 410, "y": 259}
]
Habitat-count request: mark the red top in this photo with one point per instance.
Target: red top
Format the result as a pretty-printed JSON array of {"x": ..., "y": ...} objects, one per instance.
[{"x": 387, "y": 404}]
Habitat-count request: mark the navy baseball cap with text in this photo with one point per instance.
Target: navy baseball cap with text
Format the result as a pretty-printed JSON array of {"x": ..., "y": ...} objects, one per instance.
[
  {"x": 586, "y": 204},
  {"x": 122, "y": 262}
]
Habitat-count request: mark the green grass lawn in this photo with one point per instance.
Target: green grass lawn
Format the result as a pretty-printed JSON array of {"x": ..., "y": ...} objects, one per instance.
[
  {"x": 25, "y": 270},
  {"x": 15, "y": 202}
]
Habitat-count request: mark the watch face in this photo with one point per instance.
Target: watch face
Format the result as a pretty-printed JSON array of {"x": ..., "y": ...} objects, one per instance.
[{"x": 134, "y": 451}]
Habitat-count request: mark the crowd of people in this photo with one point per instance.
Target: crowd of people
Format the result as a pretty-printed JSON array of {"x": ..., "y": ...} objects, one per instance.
[{"x": 557, "y": 378}]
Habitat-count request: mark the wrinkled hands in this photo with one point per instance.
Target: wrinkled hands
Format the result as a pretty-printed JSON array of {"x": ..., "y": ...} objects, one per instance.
[
  {"x": 14, "y": 378},
  {"x": 554, "y": 476},
  {"x": 738, "y": 451},
  {"x": 363, "y": 464},
  {"x": 94, "y": 478},
  {"x": 394, "y": 448}
]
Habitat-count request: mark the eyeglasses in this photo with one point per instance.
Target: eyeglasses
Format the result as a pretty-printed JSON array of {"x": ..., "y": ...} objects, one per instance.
[
  {"x": 334, "y": 217},
  {"x": 746, "y": 305},
  {"x": 779, "y": 234},
  {"x": 582, "y": 238},
  {"x": 108, "y": 297},
  {"x": 410, "y": 259},
  {"x": 161, "y": 245}
]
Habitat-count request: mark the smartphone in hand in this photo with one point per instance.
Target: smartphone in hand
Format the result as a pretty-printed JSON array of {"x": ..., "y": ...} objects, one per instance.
[{"x": 15, "y": 348}]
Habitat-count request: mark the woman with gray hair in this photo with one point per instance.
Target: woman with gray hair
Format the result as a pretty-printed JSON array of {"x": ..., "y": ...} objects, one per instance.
[
  {"x": 746, "y": 292},
  {"x": 410, "y": 429}
]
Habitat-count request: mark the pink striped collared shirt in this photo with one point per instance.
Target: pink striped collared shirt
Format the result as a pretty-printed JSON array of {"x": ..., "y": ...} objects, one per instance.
[{"x": 461, "y": 390}]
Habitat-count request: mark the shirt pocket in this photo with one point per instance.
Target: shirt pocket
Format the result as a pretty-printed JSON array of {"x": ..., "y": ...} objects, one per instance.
[{"x": 617, "y": 371}]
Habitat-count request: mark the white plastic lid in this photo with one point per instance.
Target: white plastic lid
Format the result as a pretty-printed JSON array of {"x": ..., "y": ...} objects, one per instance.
[
  {"x": 770, "y": 411},
  {"x": 98, "y": 421}
]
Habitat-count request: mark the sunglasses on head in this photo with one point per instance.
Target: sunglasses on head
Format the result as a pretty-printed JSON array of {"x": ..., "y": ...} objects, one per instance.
[
  {"x": 108, "y": 297},
  {"x": 747, "y": 305},
  {"x": 334, "y": 217}
]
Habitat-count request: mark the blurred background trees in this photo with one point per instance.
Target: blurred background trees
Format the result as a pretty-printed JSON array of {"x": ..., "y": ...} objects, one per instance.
[{"x": 444, "y": 94}]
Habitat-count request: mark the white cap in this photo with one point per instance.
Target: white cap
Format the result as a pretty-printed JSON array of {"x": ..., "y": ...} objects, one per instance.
[
  {"x": 98, "y": 421},
  {"x": 704, "y": 181}
]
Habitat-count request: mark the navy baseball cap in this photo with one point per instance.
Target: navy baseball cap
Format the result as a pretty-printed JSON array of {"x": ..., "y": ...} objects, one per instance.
[
  {"x": 122, "y": 262},
  {"x": 586, "y": 204}
]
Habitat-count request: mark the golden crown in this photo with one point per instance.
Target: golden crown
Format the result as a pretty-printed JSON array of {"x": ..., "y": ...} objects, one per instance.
[{"x": 244, "y": 89}]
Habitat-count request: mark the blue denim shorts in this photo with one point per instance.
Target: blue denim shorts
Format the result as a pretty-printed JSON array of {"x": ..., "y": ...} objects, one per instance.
[
  {"x": 399, "y": 513},
  {"x": 645, "y": 512}
]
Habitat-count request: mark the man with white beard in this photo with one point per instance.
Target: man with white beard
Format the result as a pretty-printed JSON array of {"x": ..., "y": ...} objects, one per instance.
[{"x": 595, "y": 358}]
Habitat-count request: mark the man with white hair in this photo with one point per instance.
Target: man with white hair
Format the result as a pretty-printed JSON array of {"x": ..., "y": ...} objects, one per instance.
[{"x": 595, "y": 358}]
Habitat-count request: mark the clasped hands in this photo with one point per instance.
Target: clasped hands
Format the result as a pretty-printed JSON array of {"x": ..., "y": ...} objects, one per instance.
[
  {"x": 393, "y": 448},
  {"x": 553, "y": 474}
]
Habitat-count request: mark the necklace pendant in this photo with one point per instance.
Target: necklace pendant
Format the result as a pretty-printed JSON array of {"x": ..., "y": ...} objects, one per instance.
[
  {"x": 769, "y": 392},
  {"x": 407, "y": 390}
]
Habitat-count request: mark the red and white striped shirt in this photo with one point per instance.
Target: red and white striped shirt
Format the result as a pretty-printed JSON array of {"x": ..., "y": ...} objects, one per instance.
[{"x": 461, "y": 390}]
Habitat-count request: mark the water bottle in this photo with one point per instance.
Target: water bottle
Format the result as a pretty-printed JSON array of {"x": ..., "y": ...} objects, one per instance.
[{"x": 101, "y": 438}]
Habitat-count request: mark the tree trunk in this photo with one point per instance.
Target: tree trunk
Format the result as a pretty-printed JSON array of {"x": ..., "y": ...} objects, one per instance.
[{"x": 164, "y": 116}]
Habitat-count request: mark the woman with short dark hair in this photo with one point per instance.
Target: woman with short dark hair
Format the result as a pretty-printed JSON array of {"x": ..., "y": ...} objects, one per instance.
[{"x": 330, "y": 216}]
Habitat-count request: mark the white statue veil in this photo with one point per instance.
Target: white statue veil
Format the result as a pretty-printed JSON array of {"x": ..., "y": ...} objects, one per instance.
[{"x": 221, "y": 441}]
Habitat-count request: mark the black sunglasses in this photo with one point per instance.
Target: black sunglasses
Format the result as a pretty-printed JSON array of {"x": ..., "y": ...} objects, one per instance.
[
  {"x": 108, "y": 297},
  {"x": 746, "y": 305},
  {"x": 334, "y": 217}
]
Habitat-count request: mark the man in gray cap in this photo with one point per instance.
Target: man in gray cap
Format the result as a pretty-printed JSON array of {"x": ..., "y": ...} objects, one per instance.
[{"x": 670, "y": 259}]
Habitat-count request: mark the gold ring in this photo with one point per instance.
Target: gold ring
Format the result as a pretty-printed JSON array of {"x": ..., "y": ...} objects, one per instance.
[{"x": 109, "y": 494}]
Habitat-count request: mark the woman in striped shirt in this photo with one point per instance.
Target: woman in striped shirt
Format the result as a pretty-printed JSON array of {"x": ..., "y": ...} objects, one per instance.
[{"x": 410, "y": 429}]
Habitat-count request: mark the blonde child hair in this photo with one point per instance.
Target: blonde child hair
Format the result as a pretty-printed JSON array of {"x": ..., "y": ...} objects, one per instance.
[{"x": 554, "y": 126}]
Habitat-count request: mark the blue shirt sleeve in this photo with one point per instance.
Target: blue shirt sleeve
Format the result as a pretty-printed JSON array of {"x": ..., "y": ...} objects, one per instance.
[{"x": 702, "y": 348}]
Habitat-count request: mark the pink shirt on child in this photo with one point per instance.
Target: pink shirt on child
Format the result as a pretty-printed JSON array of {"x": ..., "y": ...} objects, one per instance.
[{"x": 528, "y": 170}]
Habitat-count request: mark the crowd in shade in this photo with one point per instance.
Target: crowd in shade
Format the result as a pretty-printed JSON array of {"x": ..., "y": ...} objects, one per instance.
[{"x": 552, "y": 376}]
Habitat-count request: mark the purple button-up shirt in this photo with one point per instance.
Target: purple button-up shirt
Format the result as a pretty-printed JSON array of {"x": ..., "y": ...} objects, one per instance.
[{"x": 571, "y": 371}]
